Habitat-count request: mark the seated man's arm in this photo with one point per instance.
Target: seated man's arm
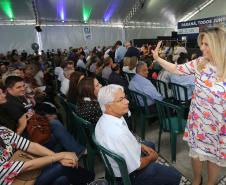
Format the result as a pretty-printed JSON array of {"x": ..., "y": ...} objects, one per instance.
[
  {"x": 151, "y": 156},
  {"x": 152, "y": 92}
]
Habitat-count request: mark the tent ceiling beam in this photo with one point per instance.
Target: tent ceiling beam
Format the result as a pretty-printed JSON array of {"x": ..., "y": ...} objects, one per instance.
[{"x": 138, "y": 4}]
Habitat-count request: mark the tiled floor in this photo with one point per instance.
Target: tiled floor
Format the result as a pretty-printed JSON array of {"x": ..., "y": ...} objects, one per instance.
[{"x": 183, "y": 163}]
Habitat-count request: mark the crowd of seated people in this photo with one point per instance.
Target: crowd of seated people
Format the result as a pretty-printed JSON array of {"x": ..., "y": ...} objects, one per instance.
[
  {"x": 27, "y": 79},
  {"x": 22, "y": 96}
]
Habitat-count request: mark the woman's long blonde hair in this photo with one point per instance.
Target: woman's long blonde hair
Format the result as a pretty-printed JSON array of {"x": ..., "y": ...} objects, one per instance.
[
  {"x": 216, "y": 39},
  {"x": 132, "y": 63}
]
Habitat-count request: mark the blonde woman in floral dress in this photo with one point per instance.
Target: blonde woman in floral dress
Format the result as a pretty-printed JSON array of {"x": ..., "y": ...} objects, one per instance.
[{"x": 206, "y": 127}]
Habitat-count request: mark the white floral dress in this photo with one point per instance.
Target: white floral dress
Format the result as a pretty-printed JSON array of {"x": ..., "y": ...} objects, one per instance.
[
  {"x": 206, "y": 128},
  {"x": 10, "y": 169}
]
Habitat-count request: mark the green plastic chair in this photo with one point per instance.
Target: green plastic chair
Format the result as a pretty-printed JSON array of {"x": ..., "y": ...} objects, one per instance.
[
  {"x": 129, "y": 76},
  {"x": 143, "y": 111},
  {"x": 176, "y": 91},
  {"x": 172, "y": 121},
  {"x": 105, "y": 155},
  {"x": 161, "y": 87},
  {"x": 82, "y": 131},
  {"x": 102, "y": 81},
  {"x": 63, "y": 109}
]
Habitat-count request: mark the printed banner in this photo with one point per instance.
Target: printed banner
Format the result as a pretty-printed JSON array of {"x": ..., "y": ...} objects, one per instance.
[
  {"x": 87, "y": 33},
  {"x": 193, "y": 26},
  {"x": 188, "y": 31},
  {"x": 200, "y": 22}
]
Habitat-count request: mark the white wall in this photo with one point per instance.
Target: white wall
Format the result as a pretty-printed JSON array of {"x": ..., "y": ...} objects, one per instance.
[
  {"x": 217, "y": 8},
  {"x": 16, "y": 37},
  {"x": 65, "y": 36},
  {"x": 53, "y": 37}
]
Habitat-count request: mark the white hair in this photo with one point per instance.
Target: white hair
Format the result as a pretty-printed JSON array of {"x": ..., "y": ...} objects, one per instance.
[{"x": 106, "y": 94}]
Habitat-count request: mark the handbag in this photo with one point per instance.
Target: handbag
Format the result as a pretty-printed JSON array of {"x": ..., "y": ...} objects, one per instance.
[
  {"x": 25, "y": 178},
  {"x": 39, "y": 129}
]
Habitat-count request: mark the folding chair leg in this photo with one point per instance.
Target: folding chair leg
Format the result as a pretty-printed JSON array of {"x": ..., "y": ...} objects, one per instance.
[
  {"x": 142, "y": 127},
  {"x": 173, "y": 142},
  {"x": 90, "y": 160},
  {"x": 159, "y": 139}
]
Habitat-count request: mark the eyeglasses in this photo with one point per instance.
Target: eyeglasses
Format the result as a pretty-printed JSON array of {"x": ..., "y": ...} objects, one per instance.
[{"x": 121, "y": 100}]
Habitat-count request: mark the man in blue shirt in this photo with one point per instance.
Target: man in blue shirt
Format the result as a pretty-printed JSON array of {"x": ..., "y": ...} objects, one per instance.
[
  {"x": 120, "y": 52},
  {"x": 142, "y": 85}
]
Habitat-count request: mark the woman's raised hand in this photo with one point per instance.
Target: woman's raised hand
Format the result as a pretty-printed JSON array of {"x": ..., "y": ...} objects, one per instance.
[{"x": 155, "y": 52}]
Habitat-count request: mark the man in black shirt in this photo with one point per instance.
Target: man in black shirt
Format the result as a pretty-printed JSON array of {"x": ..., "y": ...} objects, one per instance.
[
  {"x": 131, "y": 51},
  {"x": 21, "y": 110},
  {"x": 17, "y": 106}
]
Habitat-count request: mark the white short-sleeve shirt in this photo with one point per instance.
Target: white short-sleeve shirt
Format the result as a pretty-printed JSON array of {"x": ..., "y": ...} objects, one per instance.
[{"x": 113, "y": 134}]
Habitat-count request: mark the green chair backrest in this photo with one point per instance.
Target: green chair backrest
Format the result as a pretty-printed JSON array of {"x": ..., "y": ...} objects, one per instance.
[
  {"x": 102, "y": 81},
  {"x": 129, "y": 76},
  {"x": 176, "y": 91},
  {"x": 82, "y": 129},
  {"x": 63, "y": 109},
  {"x": 105, "y": 155},
  {"x": 161, "y": 87},
  {"x": 169, "y": 115},
  {"x": 140, "y": 100},
  {"x": 72, "y": 106},
  {"x": 83, "y": 133}
]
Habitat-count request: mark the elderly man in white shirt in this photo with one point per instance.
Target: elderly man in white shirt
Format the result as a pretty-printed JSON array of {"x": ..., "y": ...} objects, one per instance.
[{"x": 112, "y": 133}]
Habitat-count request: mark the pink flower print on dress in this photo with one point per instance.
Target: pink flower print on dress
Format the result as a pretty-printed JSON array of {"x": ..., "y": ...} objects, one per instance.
[
  {"x": 223, "y": 155},
  {"x": 213, "y": 128},
  {"x": 186, "y": 134},
  {"x": 200, "y": 136},
  {"x": 206, "y": 114},
  {"x": 181, "y": 69},
  {"x": 7, "y": 165},
  {"x": 223, "y": 130},
  {"x": 190, "y": 126},
  {"x": 223, "y": 95},
  {"x": 195, "y": 116},
  {"x": 221, "y": 142},
  {"x": 189, "y": 116},
  {"x": 208, "y": 83},
  {"x": 210, "y": 100},
  {"x": 195, "y": 126}
]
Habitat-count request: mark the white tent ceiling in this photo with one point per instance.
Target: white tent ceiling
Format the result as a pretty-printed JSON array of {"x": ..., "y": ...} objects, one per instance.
[{"x": 164, "y": 12}]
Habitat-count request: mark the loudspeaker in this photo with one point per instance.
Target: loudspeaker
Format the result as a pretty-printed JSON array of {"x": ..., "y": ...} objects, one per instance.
[
  {"x": 141, "y": 5},
  {"x": 174, "y": 34},
  {"x": 38, "y": 28}
]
